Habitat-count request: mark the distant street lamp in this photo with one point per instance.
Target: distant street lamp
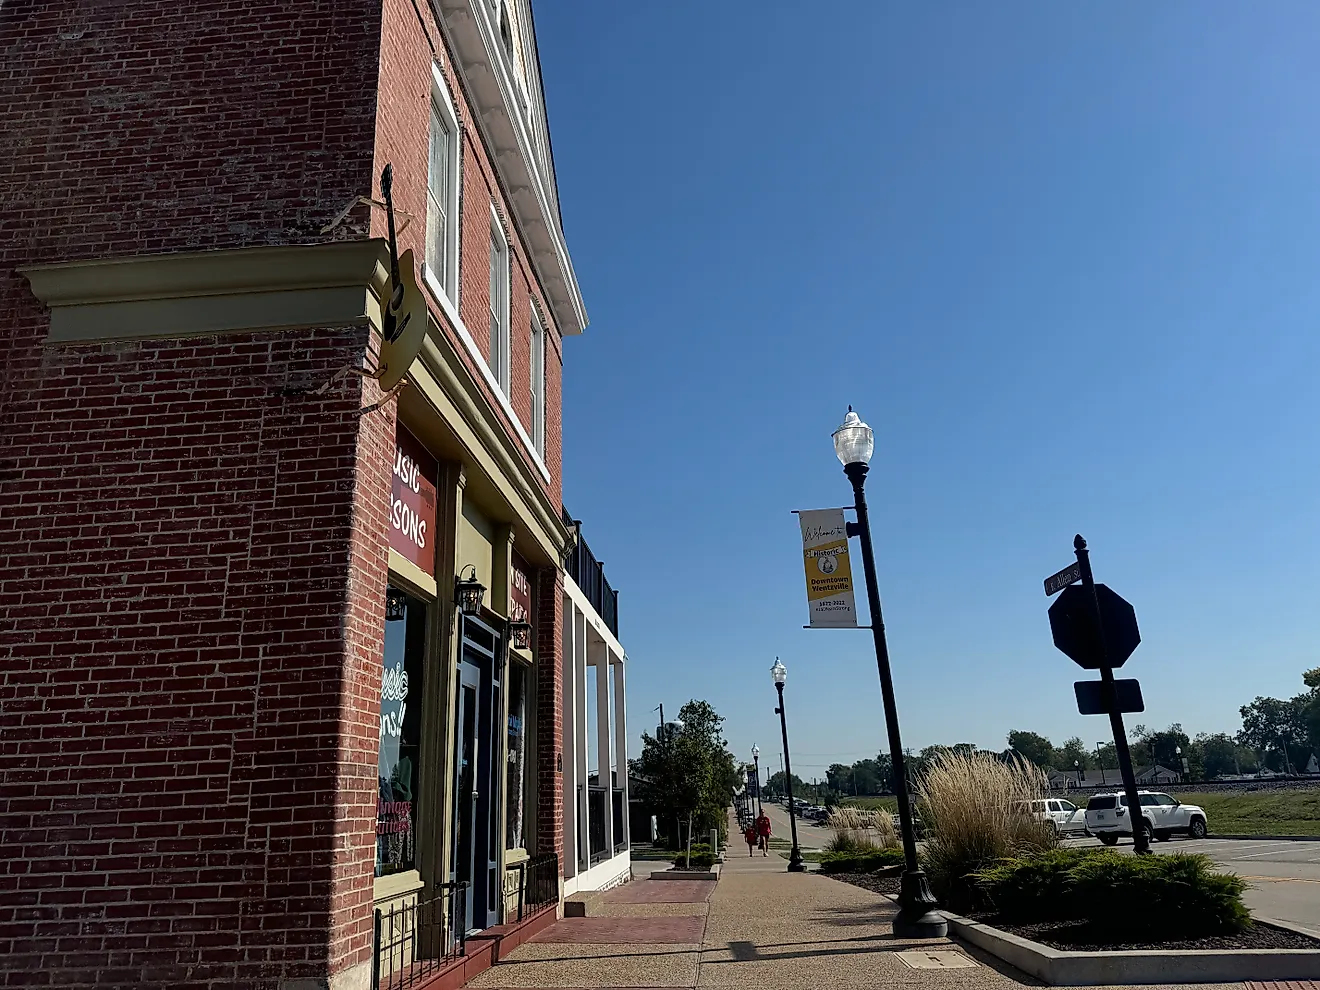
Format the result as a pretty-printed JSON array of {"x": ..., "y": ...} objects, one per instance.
[
  {"x": 756, "y": 761},
  {"x": 1099, "y": 759},
  {"x": 1077, "y": 768},
  {"x": 1186, "y": 772},
  {"x": 854, "y": 443},
  {"x": 780, "y": 673}
]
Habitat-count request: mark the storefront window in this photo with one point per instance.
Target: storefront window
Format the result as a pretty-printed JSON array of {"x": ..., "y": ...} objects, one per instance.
[
  {"x": 400, "y": 733},
  {"x": 515, "y": 789}
]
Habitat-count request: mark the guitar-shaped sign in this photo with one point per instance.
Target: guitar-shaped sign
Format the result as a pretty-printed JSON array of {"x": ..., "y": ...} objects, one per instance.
[{"x": 403, "y": 308}]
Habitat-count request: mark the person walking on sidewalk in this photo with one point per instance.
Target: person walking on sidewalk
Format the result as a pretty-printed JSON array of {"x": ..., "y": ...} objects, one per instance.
[
  {"x": 749, "y": 834},
  {"x": 763, "y": 833}
]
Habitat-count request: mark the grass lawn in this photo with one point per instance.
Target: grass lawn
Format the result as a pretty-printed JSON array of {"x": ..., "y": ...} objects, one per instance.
[
  {"x": 1259, "y": 812},
  {"x": 890, "y": 804}
]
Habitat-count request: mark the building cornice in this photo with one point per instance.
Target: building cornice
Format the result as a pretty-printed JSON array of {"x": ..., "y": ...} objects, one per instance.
[
  {"x": 248, "y": 290},
  {"x": 204, "y": 292},
  {"x": 504, "y": 132}
]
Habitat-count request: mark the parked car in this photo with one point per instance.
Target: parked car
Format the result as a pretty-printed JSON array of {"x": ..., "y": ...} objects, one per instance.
[
  {"x": 1163, "y": 816},
  {"x": 1064, "y": 816}
]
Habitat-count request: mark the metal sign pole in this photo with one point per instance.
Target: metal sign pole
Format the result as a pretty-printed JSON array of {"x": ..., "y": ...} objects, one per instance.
[{"x": 1111, "y": 702}]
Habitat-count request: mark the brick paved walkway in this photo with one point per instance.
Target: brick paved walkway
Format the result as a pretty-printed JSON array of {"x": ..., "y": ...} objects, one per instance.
[{"x": 759, "y": 926}]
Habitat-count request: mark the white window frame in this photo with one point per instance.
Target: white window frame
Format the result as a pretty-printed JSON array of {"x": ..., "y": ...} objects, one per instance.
[
  {"x": 500, "y": 342},
  {"x": 443, "y": 105},
  {"x": 537, "y": 375}
]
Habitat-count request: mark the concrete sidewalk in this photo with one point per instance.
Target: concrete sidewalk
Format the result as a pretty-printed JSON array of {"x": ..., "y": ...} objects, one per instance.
[{"x": 758, "y": 927}]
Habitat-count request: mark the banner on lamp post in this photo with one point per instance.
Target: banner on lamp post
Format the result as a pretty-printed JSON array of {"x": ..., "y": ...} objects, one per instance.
[{"x": 829, "y": 574}]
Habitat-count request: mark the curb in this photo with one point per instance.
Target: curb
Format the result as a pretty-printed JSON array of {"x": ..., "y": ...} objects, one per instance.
[
  {"x": 711, "y": 874},
  {"x": 1268, "y": 838},
  {"x": 1090, "y": 969}
]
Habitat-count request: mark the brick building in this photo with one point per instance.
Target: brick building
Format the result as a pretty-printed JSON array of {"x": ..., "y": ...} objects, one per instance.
[{"x": 230, "y": 560}]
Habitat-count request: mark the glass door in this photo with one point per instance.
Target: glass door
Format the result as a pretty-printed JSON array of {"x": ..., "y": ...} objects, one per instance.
[
  {"x": 468, "y": 794},
  {"x": 478, "y": 826}
]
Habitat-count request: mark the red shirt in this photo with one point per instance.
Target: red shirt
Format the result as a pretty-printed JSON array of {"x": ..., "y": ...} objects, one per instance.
[{"x": 763, "y": 825}]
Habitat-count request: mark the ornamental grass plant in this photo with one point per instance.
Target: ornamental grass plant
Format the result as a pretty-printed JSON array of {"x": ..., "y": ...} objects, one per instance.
[
  {"x": 859, "y": 831},
  {"x": 977, "y": 810}
]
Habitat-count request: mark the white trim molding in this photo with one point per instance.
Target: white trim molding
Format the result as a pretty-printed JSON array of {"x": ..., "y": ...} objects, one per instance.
[
  {"x": 479, "y": 59},
  {"x": 474, "y": 352},
  {"x": 442, "y": 101}
]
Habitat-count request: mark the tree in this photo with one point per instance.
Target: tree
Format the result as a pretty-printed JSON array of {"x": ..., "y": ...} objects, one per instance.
[
  {"x": 1033, "y": 747},
  {"x": 776, "y": 785},
  {"x": 688, "y": 774},
  {"x": 1161, "y": 747},
  {"x": 1269, "y": 724},
  {"x": 1073, "y": 755},
  {"x": 1220, "y": 754},
  {"x": 1106, "y": 756}
]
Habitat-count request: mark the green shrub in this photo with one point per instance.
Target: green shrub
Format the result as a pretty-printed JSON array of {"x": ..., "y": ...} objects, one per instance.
[
  {"x": 1179, "y": 895},
  {"x": 702, "y": 858},
  {"x": 1030, "y": 888},
  {"x": 860, "y": 862},
  {"x": 1120, "y": 896}
]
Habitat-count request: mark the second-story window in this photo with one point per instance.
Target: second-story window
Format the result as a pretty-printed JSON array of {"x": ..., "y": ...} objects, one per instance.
[
  {"x": 499, "y": 304},
  {"x": 538, "y": 382},
  {"x": 442, "y": 192}
]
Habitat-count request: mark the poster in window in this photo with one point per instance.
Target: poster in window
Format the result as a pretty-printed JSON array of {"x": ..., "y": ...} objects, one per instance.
[{"x": 400, "y": 733}]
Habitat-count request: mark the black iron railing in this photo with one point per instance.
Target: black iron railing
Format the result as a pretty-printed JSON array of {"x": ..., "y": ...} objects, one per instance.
[
  {"x": 589, "y": 574},
  {"x": 538, "y": 883},
  {"x": 596, "y": 798},
  {"x": 415, "y": 938},
  {"x": 620, "y": 833},
  {"x": 541, "y": 884}
]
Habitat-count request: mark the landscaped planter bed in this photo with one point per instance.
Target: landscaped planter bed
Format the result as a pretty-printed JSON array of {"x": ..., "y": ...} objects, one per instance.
[
  {"x": 876, "y": 883},
  {"x": 1072, "y": 936}
]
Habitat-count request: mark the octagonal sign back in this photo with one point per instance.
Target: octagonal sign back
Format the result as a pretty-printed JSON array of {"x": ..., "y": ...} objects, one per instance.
[{"x": 1072, "y": 621}]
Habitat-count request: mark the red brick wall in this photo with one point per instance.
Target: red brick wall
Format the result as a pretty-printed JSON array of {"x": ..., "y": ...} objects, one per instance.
[
  {"x": 409, "y": 38},
  {"x": 550, "y": 712},
  {"x": 409, "y": 35},
  {"x": 190, "y": 607},
  {"x": 191, "y": 551}
]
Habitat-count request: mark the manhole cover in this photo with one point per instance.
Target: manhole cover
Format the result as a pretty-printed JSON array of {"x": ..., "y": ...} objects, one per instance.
[{"x": 920, "y": 959}]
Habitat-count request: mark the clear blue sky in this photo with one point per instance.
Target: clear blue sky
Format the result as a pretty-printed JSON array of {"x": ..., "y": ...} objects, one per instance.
[{"x": 1064, "y": 258}]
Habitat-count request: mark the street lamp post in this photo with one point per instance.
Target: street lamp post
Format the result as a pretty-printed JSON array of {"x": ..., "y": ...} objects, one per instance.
[
  {"x": 756, "y": 762},
  {"x": 1077, "y": 769},
  {"x": 780, "y": 673},
  {"x": 917, "y": 915}
]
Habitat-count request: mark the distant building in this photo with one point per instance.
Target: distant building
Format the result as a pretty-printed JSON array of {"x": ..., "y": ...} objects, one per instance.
[{"x": 1150, "y": 776}]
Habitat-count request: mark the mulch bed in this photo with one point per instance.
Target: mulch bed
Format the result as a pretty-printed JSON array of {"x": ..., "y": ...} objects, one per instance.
[
  {"x": 1072, "y": 936},
  {"x": 877, "y": 883},
  {"x": 1078, "y": 937}
]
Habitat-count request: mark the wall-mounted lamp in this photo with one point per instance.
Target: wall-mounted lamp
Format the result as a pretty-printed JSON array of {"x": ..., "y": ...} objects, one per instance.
[
  {"x": 468, "y": 592},
  {"x": 520, "y": 635}
]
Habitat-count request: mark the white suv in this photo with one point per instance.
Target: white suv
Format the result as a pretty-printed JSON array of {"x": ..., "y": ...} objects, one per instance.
[
  {"x": 1107, "y": 817},
  {"x": 1064, "y": 816}
]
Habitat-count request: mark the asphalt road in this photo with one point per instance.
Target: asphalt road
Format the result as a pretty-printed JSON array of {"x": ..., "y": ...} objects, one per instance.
[{"x": 1284, "y": 876}]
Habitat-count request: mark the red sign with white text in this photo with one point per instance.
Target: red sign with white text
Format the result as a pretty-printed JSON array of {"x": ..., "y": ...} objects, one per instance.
[
  {"x": 412, "y": 501},
  {"x": 520, "y": 590}
]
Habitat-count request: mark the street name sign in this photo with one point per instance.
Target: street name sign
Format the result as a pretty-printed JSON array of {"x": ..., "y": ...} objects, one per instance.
[
  {"x": 1072, "y": 620},
  {"x": 1091, "y": 696},
  {"x": 1057, "y": 582}
]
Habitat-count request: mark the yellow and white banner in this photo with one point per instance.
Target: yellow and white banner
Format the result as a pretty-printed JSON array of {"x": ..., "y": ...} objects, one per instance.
[{"x": 829, "y": 575}]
